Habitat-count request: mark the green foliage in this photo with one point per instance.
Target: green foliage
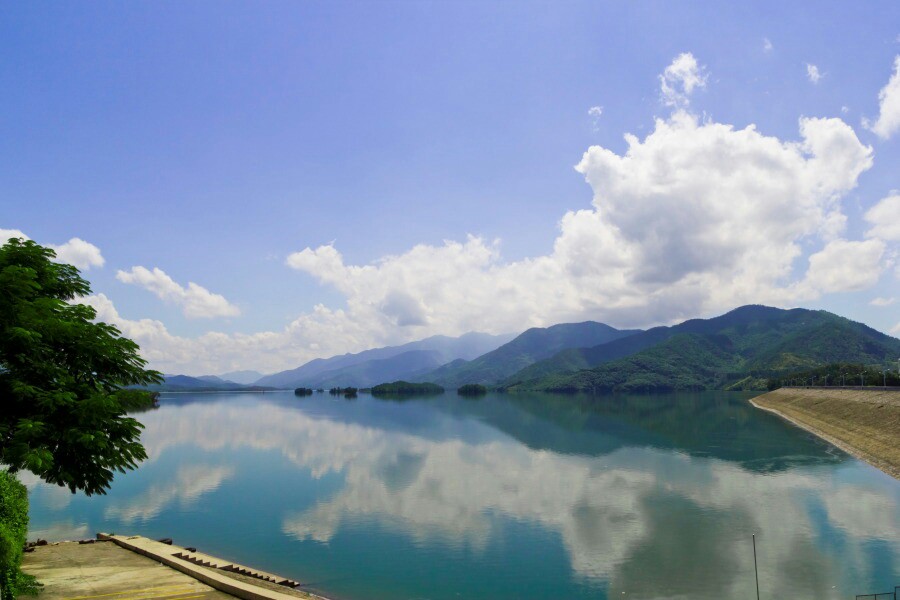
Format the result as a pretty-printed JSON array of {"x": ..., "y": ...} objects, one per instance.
[
  {"x": 683, "y": 362},
  {"x": 63, "y": 413},
  {"x": 741, "y": 350},
  {"x": 302, "y": 391},
  {"x": 532, "y": 345},
  {"x": 13, "y": 532},
  {"x": 836, "y": 374},
  {"x": 137, "y": 400},
  {"x": 405, "y": 388},
  {"x": 472, "y": 389}
]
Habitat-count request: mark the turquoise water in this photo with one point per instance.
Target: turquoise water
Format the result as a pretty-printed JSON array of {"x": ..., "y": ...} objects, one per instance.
[{"x": 504, "y": 497}]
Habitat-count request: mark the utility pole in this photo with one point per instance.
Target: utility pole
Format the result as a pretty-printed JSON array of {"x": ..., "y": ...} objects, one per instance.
[{"x": 755, "y": 568}]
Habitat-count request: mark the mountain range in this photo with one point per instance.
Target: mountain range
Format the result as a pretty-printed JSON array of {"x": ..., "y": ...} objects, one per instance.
[
  {"x": 739, "y": 349},
  {"x": 526, "y": 349},
  {"x": 371, "y": 367},
  {"x": 203, "y": 383},
  {"x": 243, "y": 377}
]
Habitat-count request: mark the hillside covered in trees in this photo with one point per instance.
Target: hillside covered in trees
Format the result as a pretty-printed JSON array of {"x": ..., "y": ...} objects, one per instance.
[{"x": 742, "y": 349}]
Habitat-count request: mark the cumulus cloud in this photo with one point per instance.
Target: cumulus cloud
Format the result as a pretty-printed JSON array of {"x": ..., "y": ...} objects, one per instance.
[
  {"x": 885, "y": 218},
  {"x": 680, "y": 79},
  {"x": 79, "y": 253},
  {"x": 767, "y": 45},
  {"x": 845, "y": 266},
  {"x": 196, "y": 301},
  {"x": 8, "y": 234},
  {"x": 812, "y": 72},
  {"x": 694, "y": 219},
  {"x": 76, "y": 251},
  {"x": 888, "y": 121}
]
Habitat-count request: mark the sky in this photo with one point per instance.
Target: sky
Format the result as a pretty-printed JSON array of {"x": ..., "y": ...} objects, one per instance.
[{"x": 250, "y": 186}]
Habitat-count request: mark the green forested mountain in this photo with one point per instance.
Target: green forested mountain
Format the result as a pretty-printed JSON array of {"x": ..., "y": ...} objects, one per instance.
[
  {"x": 738, "y": 349},
  {"x": 533, "y": 345}
]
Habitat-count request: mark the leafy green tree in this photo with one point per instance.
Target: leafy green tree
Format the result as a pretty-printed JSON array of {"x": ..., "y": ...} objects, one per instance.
[{"x": 62, "y": 406}]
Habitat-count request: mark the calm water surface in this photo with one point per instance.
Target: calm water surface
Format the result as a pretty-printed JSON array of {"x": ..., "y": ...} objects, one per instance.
[{"x": 505, "y": 497}]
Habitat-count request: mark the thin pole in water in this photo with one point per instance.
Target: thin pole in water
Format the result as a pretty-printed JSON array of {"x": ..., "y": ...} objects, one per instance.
[{"x": 755, "y": 568}]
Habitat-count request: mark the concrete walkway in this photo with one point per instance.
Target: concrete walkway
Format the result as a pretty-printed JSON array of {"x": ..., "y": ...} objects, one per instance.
[{"x": 104, "y": 571}]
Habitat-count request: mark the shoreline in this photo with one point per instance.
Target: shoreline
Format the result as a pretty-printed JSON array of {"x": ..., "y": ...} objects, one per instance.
[{"x": 882, "y": 464}]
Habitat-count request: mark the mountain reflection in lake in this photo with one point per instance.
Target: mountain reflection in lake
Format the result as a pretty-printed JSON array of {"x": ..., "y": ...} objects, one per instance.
[{"x": 507, "y": 496}]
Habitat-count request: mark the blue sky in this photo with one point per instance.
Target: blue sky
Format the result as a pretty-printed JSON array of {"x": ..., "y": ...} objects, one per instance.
[{"x": 216, "y": 140}]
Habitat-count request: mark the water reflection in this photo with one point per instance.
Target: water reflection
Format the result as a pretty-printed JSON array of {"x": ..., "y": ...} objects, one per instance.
[
  {"x": 651, "y": 496},
  {"x": 187, "y": 485}
]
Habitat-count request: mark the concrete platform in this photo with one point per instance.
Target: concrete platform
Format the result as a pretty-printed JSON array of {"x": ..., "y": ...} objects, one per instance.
[
  {"x": 137, "y": 568},
  {"x": 104, "y": 571}
]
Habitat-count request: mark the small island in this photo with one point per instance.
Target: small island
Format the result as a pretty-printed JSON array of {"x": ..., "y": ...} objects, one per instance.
[
  {"x": 405, "y": 388},
  {"x": 347, "y": 392},
  {"x": 472, "y": 389},
  {"x": 302, "y": 391}
]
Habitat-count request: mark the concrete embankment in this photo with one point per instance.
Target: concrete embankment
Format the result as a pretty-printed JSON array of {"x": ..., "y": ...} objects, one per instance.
[
  {"x": 137, "y": 568},
  {"x": 863, "y": 422}
]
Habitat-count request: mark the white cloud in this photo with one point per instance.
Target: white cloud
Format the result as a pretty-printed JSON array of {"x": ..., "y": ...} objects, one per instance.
[
  {"x": 8, "y": 234},
  {"x": 767, "y": 45},
  {"x": 79, "y": 253},
  {"x": 322, "y": 332},
  {"x": 188, "y": 484},
  {"x": 881, "y": 302},
  {"x": 595, "y": 112},
  {"x": 196, "y": 301},
  {"x": 76, "y": 251},
  {"x": 694, "y": 219},
  {"x": 812, "y": 71},
  {"x": 845, "y": 266},
  {"x": 885, "y": 218},
  {"x": 888, "y": 121},
  {"x": 896, "y": 329},
  {"x": 845, "y": 110},
  {"x": 680, "y": 79}
]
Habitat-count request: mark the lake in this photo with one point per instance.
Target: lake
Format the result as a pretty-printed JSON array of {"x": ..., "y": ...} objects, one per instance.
[{"x": 502, "y": 497}]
